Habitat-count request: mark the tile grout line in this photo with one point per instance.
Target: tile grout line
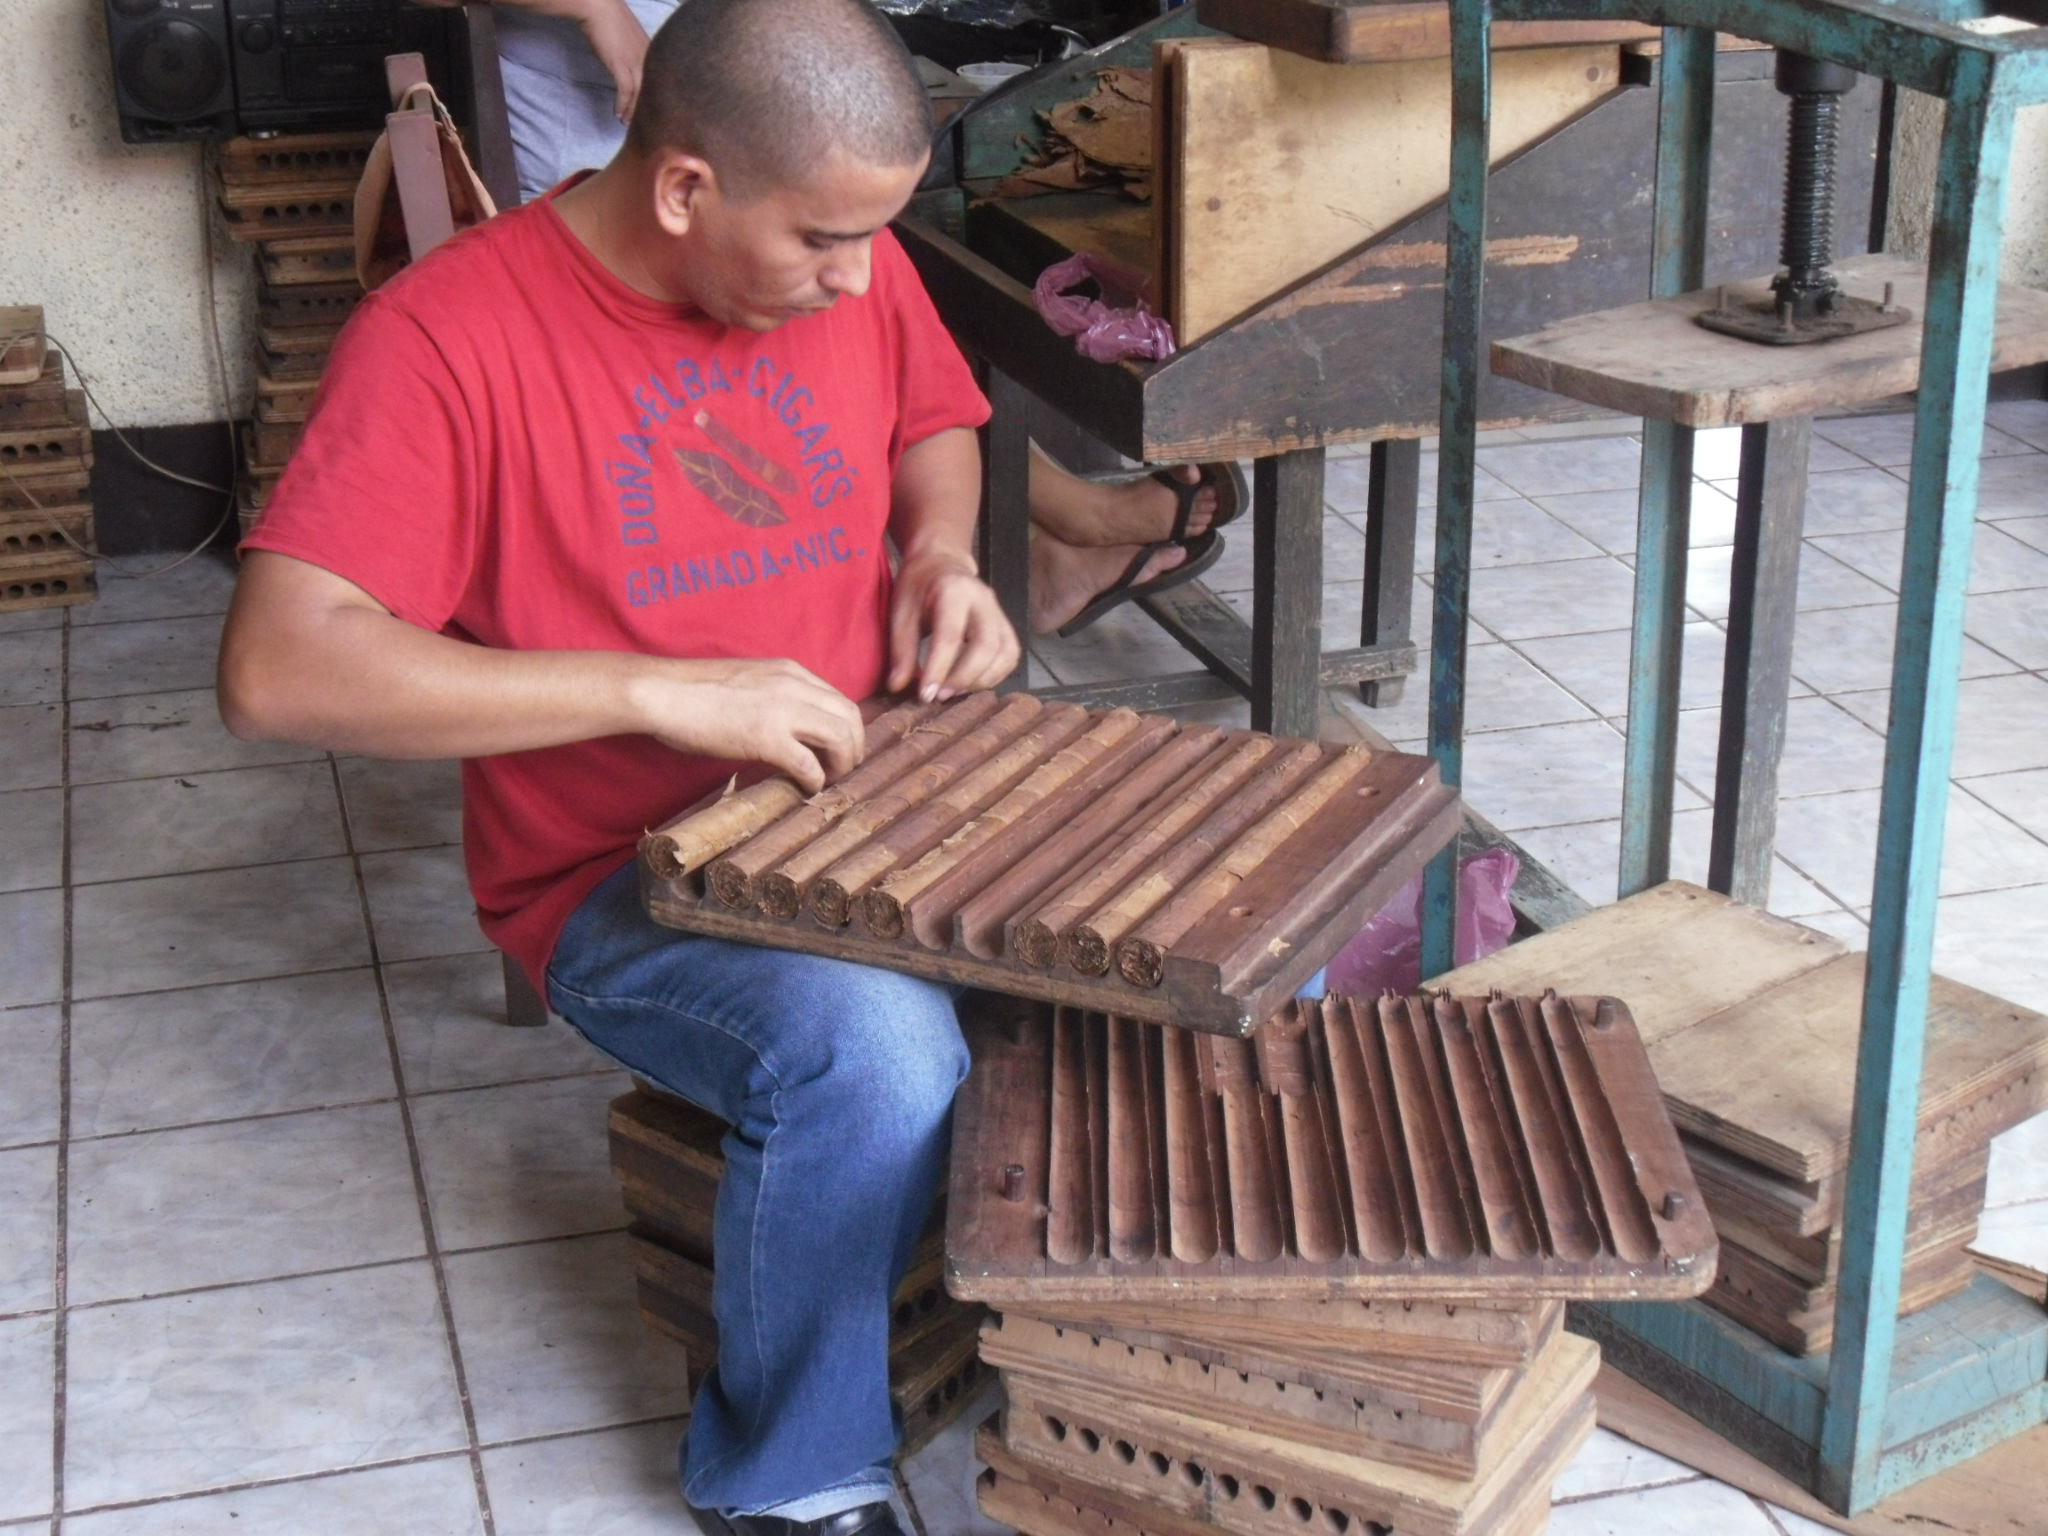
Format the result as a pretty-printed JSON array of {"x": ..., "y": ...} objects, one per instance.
[
  {"x": 328, "y": 1108},
  {"x": 419, "y": 1176},
  {"x": 292, "y": 1479},
  {"x": 365, "y": 1267},
  {"x": 60, "y": 1338}
]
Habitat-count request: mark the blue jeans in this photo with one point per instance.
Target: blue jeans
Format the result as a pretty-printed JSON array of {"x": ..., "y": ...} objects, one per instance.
[{"x": 838, "y": 1081}]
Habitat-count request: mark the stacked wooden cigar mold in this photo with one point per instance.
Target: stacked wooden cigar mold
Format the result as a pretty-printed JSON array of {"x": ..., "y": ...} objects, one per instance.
[
  {"x": 1752, "y": 1024},
  {"x": 1310, "y": 1281},
  {"x": 667, "y": 1157},
  {"x": 46, "y": 528},
  {"x": 1125, "y": 862},
  {"x": 293, "y": 198}
]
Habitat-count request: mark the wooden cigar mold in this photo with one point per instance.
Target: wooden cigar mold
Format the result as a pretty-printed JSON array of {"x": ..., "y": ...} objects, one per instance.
[
  {"x": 1103, "y": 859},
  {"x": 667, "y": 1158},
  {"x": 1505, "y": 1147},
  {"x": 1199, "y": 1469}
]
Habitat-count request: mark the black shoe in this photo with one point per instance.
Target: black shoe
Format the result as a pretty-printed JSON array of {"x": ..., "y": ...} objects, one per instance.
[{"x": 865, "y": 1520}]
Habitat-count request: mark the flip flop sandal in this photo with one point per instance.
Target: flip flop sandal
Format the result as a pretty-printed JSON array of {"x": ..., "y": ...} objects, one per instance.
[
  {"x": 1204, "y": 550},
  {"x": 1232, "y": 496}
]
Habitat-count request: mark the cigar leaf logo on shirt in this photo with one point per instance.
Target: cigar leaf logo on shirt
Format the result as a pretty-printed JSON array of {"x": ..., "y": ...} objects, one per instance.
[{"x": 728, "y": 490}]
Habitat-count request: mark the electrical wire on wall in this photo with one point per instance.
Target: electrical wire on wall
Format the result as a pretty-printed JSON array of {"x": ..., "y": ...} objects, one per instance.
[{"x": 220, "y": 361}]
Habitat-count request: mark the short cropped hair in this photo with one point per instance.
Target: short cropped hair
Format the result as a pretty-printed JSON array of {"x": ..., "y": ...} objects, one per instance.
[{"x": 763, "y": 89}]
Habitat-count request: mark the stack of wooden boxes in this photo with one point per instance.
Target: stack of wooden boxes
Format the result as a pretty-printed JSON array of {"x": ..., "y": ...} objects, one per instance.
[
  {"x": 293, "y": 198},
  {"x": 1312, "y": 1281},
  {"x": 1752, "y": 1024},
  {"x": 667, "y": 1158},
  {"x": 46, "y": 532}
]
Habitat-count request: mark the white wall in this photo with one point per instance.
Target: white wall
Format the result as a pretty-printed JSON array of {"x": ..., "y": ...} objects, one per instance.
[
  {"x": 107, "y": 237},
  {"x": 1918, "y": 146}
]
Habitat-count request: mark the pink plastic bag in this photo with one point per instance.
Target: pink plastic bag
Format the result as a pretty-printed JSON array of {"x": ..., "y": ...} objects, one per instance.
[
  {"x": 1388, "y": 949},
  {"x": 1104, "y": 332}
]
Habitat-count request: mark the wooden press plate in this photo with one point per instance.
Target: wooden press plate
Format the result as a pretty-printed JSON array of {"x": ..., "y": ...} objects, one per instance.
[
  {"x": 1040, "y": 1502},
  {"x": 1268, "y": 165},
  {"x": 1468, "y": 1393},
  {"x": 1244, "y": 954},
  {"x": 1717, "y": 987},
  {"x": 1238, "y": 1479},
  {"x": 50, "y": 580},
  {"x": 308, "y": 259},
  {"x": 1327, "y": 1407},
  {"x": 1654, "y": 360},
  {"x": 43, "y": 533},
  {"x": 1372, "y": 31},
  {"x": 1927, "y": 1279},
  {"x": 1431, "y": 1148},
  {"x": 22, "y": 358},
  {"x": 1348, "y": 1333},
  {"x": 294, "y": 157}
]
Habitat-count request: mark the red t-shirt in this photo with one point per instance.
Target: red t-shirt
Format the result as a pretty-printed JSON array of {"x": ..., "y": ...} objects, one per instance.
[{"x": 512, "y": 447}]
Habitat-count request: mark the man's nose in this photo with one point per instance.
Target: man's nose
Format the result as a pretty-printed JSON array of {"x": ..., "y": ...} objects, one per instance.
[{"x": 850, "y": 270}]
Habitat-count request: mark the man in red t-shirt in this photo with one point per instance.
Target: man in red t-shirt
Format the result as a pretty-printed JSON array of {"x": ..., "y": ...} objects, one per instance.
[{"x": 600, "y": 498}]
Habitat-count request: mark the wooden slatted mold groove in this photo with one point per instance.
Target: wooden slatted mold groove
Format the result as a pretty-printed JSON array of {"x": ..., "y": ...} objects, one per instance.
[{"x": 1432, "y": 1147}]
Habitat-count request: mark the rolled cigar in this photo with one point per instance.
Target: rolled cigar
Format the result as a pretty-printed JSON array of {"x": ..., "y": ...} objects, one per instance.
[
  {"x": 784, "y": 887},
  {"x": 1088, "y": 945},
  {"x": 930, "y": 729},
  {"x": 834, "y": 893},
  {"x": 1112, "y": 801},
  {"x": 882, "y": 906},
  {"x": 1036, "y": 939},
  {"x": 1141, "y": 956},
  {"x": 682, "y": 846},
  {"x": 700, "y": 836}
]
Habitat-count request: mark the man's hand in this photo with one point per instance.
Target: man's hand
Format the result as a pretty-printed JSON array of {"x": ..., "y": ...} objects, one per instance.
[
  {"x": 620, "y": 43},
  {"x": 773, "y": 712},
  {"x": 967, "y": 643},
  {"x": 941, "y": 605},
  {"x": 614, "y": 33}
]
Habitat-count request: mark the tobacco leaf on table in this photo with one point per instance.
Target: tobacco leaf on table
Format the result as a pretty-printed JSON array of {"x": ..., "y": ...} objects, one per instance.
[{"x": 730, "y": 491}]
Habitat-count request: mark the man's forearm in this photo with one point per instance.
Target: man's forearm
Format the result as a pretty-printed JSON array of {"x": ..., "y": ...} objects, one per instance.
[
  {"x": 935, "y": 500},
  {"x": 309, "y": 657},
  {"x": 359, "y": 680}
]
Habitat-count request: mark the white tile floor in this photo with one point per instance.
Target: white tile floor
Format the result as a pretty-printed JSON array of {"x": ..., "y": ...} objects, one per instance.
[{"x": 294, "y": 1237}]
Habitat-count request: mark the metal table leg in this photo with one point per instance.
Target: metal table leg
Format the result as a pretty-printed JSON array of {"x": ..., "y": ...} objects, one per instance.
[
  {"x": 1685, "y": 128},
  {"x": 1391, "y": 497},
  {"x": 1287, "y": 592},
  {"x": 1756, "y": 679},
  {"x": 1006, "y": 510}
]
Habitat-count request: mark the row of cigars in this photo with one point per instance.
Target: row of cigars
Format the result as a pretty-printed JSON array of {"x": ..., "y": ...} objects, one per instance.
[{"x": 1183, "y": 873}]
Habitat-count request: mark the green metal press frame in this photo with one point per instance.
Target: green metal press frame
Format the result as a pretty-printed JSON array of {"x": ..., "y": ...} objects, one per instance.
[{"x": 1898, "y": 1400}]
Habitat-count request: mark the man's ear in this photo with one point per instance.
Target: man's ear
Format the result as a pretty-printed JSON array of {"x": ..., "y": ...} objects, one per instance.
[{"x": 681, "y": 182}]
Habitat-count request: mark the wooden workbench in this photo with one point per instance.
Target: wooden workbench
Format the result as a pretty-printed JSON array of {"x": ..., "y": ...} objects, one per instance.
[{"x": 1346, "y": 354}]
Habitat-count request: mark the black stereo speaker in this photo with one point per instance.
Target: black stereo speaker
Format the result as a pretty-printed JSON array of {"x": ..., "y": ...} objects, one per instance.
[
  {"x": 173, "y": 78},
  {"x": 310, "y": 65}
]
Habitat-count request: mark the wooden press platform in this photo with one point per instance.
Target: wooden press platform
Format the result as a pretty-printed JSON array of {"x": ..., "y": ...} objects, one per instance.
[
  {"x": 1653, "y": 360},
  {"x": 1439, "y": 1148}
]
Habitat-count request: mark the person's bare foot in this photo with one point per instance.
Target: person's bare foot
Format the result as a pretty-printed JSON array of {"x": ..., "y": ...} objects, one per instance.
[
  {"x": 1065, "y": 578},
  {"x": 1098, "y": 515}
]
